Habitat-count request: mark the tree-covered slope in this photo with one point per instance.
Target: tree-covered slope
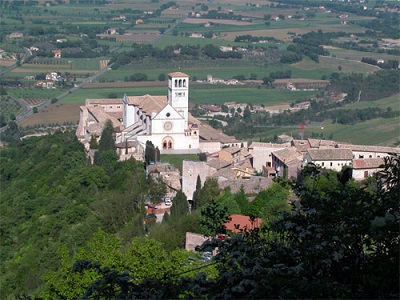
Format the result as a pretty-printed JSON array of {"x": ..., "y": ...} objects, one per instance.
[{"x": 50, "y": 197}]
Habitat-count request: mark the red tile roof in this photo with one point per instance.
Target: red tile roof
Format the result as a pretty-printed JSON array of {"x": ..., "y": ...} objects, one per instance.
[{"x": 240, "y": 222}]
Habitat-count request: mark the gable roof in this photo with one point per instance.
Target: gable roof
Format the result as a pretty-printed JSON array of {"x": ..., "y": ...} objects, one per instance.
[
  {"x": 149, "y": 104},
  {"x": 367, "y": 163},
  {"x": 288, "y": 154},
  {"x": 330, "y": 154},
  {"x": 218, "y": 163},
  {"x": 173, "y": 114},
  {"x": 368, "y": 148}
]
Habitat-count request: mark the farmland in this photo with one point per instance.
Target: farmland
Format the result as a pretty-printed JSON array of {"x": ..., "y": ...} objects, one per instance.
[{"x": 87, "y": 47}]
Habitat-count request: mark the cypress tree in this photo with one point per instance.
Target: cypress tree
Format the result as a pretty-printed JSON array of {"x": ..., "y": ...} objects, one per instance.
[{"x": 180, "y": 206}]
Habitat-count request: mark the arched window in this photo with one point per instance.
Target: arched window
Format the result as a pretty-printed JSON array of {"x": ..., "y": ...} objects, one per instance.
[
  {"x": 180, "y": 82},
  {"x": 176, "y": 83},
  {"x": 168, "y": 143},
  {"x": 184, "y": 82}
]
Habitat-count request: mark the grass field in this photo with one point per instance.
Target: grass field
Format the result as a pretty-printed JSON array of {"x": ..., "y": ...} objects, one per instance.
[
  {"x": 385, "y": 132},
  {"x": 357, "y": 55},
  {"x": 176, "y": 160},
  {"x": 332, "y": 64},
  {"x": 392, "y": 101},
  {"x": 201, "y": 94}
]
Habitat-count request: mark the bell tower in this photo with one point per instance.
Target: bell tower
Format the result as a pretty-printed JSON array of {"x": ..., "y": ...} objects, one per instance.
[{"x": 178, "y": 93}]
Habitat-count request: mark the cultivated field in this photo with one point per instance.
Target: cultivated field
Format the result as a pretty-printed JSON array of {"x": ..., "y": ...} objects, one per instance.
[{"x": 55, "y": 113}]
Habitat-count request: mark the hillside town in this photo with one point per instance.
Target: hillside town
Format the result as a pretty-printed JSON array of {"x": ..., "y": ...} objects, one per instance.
[{"x": 166, "y": 122}]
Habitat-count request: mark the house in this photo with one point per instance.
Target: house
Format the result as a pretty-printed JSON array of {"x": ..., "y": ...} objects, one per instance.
[
  {"x": 226, "y": 48},
  {"x": 33, "y": 48},
  {"x": 61, "y": 40},
  {"x": 230, "y": 154},
  {"x": 111, "y": 31},
  {"x": 333, "y": 158},
  {"x": 303, "y": 105},
  {"x": 139, "y": 21},
  {"x": 167, "y": 174},
  {"x": 367, "y": 151},
  {"x": 196, "y": 35},
  {"x": 287, "y": 162},
  {"x": 240, "y": 223},
  {"x": 363, "y": 168},
  {"x": 262, "y": 153},
  {"x": 57, "y": 53},
  {"x": 275, "y": 18},
  {"x": 15, "y": 35}
]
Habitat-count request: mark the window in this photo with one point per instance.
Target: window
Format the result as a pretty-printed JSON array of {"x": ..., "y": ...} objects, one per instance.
[
  {"x": 168, "y": 114},
  {"x": 332, "y": 164},
  {"x": 322, "y": 164},
  {"x": 361, "y": 156}
]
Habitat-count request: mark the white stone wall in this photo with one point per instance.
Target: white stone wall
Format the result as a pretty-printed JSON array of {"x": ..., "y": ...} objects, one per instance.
[
  {"x": 262, "y": 156},
  {"x": 210, "y": 147},
  {"x": 335, "y": 165},
  {"x": 190, "y": 171},
  {"x": 366, "y": 154}
]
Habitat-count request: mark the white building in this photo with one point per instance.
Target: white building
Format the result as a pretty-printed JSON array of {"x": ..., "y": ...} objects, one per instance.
[
  {"x": 163, "y": 120},
  {"x": 334, "y": 158}
]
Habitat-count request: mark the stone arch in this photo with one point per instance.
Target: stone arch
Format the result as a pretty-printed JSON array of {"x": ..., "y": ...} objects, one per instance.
[{"x": 168, "y": 143}]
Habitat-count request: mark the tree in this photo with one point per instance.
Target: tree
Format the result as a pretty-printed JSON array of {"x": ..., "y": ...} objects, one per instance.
[
  {"x": 93, "y": 144},
  {"x": 162, "y": 77},
  {"x": 213, "y": 216},
  {"x": 210, "y": 191},
  {"x": 107, "y": 141},
  {"x": 180, "y": 206},
  {"x": 149, "y": 153},
  {"x": 247, "y": 114}
]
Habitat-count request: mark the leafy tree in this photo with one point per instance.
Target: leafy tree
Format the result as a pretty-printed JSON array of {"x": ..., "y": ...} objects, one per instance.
[
  {"x": 162, "y": 77},
  {"x": 180, "y": 205},
  {"x": 213, "y": 216}
]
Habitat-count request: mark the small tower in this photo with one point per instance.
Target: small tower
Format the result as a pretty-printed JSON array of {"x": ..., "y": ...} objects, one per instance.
[{"x": 178, "y": 93}]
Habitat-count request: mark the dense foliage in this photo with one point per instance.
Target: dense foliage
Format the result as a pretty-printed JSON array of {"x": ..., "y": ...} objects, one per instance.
[
  {"x": 340, "y": 241},
  {"x": 51, "y": 197}
]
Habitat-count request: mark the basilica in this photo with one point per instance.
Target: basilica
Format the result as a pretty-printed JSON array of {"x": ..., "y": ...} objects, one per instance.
[{"x": 163, "y": 120}]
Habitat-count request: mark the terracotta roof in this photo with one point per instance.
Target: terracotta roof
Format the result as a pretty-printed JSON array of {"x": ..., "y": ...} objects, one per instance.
[
  {"x": 316, "y": 143},
  {"x": 266, "y": 145},
  {"x": 128, "y": 144},
  {"x": 301, "y": 145},
  {"x": 218, "y": 163},
  {"x": 227, "y": 173},
  {"x": 367, "y": 148},
  {"x": 103, "y": 101},
  {"x": 288, "y": 154},
  {"x": 330, "y": 154},
  {"x": 101, "y": 116},
  {"x": 231, "y": 150},
  {"x": 251, "y": 186},
  {"x": 149, "y": 104},
  {"x": 239, "y": 222},
  {"x": 367, "y": 163},
  {"x": 178, "y": 74}
]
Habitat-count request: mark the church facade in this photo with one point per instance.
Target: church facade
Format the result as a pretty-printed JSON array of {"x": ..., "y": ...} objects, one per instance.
[{"x": 163, "y": 120}]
